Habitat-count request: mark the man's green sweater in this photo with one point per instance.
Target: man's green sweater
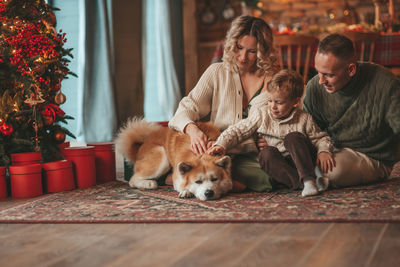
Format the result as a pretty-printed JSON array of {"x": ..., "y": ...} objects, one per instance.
[{"x": 364, "y": 115}]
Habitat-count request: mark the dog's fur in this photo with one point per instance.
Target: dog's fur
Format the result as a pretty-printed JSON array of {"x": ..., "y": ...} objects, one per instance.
[{"x": 154, "y": 150}]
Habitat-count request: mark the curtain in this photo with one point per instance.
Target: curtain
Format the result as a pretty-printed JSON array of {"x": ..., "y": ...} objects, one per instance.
[
  {"x": 96, "y": 120},
  {"x": 162, "y": 92}
]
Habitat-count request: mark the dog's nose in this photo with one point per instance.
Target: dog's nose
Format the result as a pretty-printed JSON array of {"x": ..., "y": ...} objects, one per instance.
[{"x": 209, "y": 193}]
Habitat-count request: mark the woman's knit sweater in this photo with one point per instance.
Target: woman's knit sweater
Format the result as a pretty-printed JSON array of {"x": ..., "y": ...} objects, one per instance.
[{"x": 217, "y": 97}]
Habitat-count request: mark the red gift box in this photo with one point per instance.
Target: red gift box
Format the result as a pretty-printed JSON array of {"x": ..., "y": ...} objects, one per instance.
[
  {"x": 104, "y": 154},
  {"x": 58, "y": 176},
  {"x": 84, "y": 166},
  {"x": 3, "y": 183},
  {"x": 26, "y": 158},
  {"x": 26, "y": 180}
]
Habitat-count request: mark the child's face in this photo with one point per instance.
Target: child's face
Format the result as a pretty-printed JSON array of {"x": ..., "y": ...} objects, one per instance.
[{"x": 280, "y": 104}]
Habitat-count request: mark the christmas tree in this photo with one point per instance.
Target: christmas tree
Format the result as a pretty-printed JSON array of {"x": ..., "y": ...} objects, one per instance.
[{"x": 33, "y": 63}]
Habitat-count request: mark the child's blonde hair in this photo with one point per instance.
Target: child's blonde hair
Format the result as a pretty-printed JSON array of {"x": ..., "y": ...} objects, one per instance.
[{"x": 287, "y": 81}]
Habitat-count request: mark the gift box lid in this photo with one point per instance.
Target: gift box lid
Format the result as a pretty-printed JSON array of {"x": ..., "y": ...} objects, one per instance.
[
  {"x": 27, "y": 156},
  {"x": 26, "y": 169},
  {"x": 102, "y": 146},
  {"x": 79, "y": 151},
  {"x": 2, "y": 170},
  {"x": 57, "y": 165}
]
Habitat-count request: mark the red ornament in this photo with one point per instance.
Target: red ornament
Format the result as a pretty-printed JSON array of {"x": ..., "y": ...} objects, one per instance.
[
  {"x": 6, "y": 130},
  {"x": 48, "y": 120},
  {"x": 51, "y": 111}
]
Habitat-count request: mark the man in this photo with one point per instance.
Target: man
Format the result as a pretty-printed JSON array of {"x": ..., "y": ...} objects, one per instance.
[{"x": 358, "y": 104}]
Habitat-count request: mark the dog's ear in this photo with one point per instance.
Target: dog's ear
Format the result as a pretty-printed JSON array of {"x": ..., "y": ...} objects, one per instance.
[
  {"x": 184, "y": 167},
  {"x": 224, "y": 162}
]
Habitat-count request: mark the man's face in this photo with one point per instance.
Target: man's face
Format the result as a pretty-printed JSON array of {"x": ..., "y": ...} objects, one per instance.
[{"x": 333, "y": 73}]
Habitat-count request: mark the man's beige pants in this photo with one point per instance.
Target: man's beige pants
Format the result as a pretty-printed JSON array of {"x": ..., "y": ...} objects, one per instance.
[{"x": 355, "y": 168}]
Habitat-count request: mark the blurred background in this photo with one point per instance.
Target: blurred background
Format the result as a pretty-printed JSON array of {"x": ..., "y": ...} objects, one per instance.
[{"x": 139, "y": 58}]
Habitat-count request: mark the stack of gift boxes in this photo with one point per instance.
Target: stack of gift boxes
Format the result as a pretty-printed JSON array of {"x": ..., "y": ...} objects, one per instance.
[{"x": 83, "y": 167}]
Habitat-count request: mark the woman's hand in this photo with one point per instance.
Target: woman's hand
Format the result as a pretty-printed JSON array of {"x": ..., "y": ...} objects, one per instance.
[
  {"x": 216, "y": 151},
  {"x": 198, "y": 140},
  {"x": 325, "y": 162}
]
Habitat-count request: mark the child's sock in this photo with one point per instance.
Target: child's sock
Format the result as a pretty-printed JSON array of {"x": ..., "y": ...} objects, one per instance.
[
  {"x": 310, "y": 188},
  {"x": 322, "y": 183}
]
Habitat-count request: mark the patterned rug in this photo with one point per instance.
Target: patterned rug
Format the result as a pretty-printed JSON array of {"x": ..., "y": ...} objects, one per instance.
[{"x": 116, "y": 202}]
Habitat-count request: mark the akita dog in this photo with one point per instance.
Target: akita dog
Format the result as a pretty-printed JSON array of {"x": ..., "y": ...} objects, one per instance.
[{"x": 154, "y": 150}]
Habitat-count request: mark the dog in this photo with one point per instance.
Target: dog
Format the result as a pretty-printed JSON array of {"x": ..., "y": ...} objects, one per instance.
[{"x": 154, "y": 150}]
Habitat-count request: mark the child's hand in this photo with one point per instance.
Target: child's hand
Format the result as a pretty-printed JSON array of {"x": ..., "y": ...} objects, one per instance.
[
  {"x": 210, "y": 144},
  {"x": 325, "y": 162},
  {"x": 260, "y": 142},
  {"x": 216, "y": 150}
]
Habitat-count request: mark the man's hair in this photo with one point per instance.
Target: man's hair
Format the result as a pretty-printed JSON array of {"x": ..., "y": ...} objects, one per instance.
[
  {"x": 287, "y": 81},
  {"x": 258, "y": 28},
  {"x": 339, "y": 45}
]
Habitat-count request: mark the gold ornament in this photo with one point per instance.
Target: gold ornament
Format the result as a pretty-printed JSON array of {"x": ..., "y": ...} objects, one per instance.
[
  {"x": 59, "y": 136},
  {"x": 60, "y": 98}
]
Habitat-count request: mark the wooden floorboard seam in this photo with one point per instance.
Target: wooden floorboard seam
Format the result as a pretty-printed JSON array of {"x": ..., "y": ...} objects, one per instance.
[
  {"x": 58, "y": 261},
  {"x": 314, "y": 247},
  {"x": 259, "y": 241},
  {"x": 376, "y": 245}
]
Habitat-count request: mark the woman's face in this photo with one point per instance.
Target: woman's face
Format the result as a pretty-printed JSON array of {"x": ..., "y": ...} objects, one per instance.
[{"x": 246, "y": 52}]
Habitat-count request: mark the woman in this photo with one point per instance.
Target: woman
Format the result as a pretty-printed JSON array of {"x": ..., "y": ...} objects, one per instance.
[{"x": 225, "y": 92}]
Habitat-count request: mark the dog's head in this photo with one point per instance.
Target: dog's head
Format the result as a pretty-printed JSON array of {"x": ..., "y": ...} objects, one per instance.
[{"x": 208, "y": 178}]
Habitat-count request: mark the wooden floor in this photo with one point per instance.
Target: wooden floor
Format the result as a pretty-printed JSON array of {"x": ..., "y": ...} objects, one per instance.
[
  {"x": 243, "y": 244},
  {"x": 191, "y": 244}
]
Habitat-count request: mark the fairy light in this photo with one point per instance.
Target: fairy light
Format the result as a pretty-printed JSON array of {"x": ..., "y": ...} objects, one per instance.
[{"x": 15, "y": 107}]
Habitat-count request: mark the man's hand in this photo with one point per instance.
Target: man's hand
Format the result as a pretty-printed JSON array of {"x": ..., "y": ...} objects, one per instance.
[
  {"x": 198, "y": 140},
  {"x": 216, "y": 150},
  {"x": 325, "y": 162}
]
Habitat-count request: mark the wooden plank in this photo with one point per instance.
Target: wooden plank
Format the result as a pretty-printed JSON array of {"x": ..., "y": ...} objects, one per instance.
[
  {"x": 388, "y": 248},
  {"x": 22, "y": 247},
  {"x": 287, "y": 245},
  {"x": 344, "y": 245},
  {"x": 112, "y": 243},
  {"x": 165, "y": 247},
  {"x": 225, "y": 247}
]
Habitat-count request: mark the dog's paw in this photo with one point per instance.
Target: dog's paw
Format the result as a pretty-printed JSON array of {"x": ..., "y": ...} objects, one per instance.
[
  {"x": 185, "y": 194},
  {"x": 143, "y": 184}
]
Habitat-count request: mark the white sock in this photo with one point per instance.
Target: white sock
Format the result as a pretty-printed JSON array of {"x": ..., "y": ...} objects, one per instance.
[
  {"x": 310, "y": 188},
  {"x": 322, "y": 183}
]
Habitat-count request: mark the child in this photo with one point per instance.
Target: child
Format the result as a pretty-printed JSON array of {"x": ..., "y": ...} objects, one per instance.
[{"x": 294, "y": 140}]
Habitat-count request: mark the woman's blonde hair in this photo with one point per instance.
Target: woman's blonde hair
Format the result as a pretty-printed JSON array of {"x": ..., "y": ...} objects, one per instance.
[{"x": 258, "y": 28}]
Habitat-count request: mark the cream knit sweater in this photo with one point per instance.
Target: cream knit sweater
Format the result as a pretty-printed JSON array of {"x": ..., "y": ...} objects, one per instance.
[
  {"x": 274, "y": 131},
  {"x": 217, "y": 97}
]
